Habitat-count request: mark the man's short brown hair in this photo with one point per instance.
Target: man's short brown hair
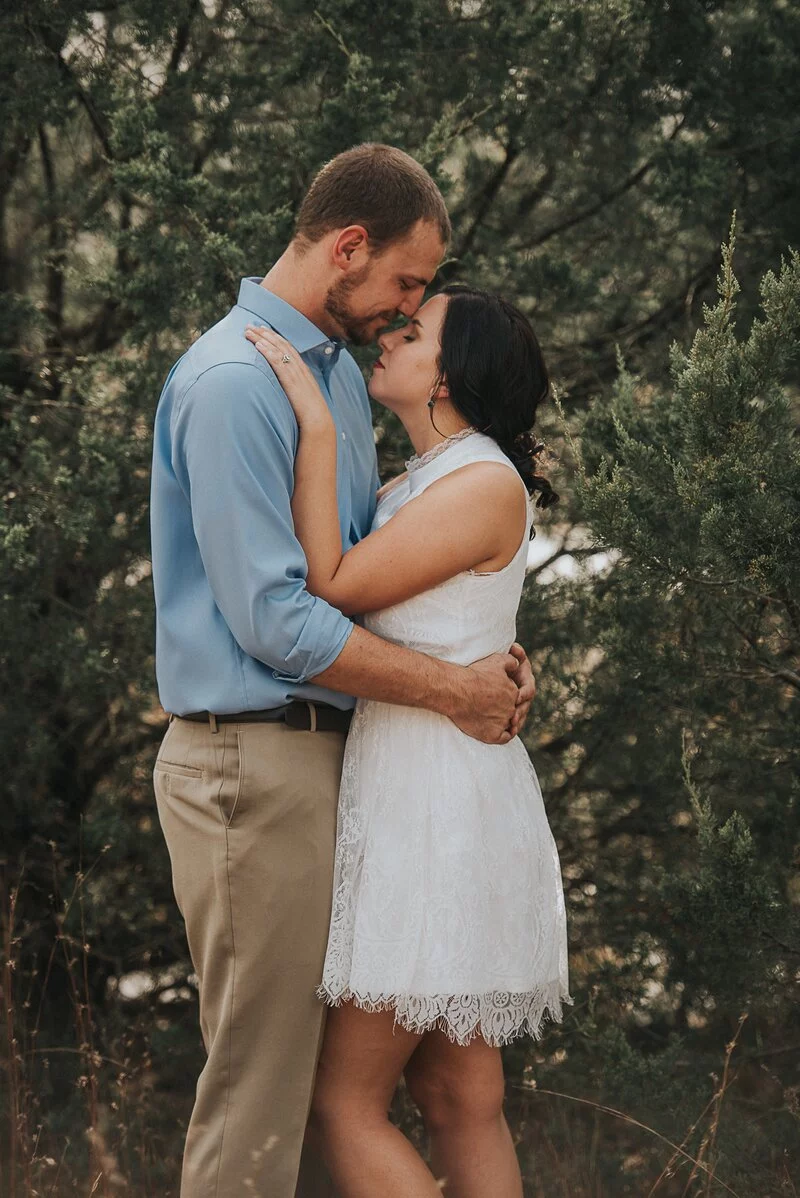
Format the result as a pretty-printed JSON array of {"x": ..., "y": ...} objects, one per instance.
[{"x": 376, "y": 186}]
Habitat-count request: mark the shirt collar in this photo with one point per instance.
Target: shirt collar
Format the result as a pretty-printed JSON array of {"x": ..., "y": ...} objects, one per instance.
[{"x": 282, "y": 317}]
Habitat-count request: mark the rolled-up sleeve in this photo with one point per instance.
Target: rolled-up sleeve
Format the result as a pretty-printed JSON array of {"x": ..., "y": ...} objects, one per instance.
[{"x": 233, "y": 454}]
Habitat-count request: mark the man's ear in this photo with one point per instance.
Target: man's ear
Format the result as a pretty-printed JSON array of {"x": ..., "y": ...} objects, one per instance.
[{"x": 351, "y": 246}]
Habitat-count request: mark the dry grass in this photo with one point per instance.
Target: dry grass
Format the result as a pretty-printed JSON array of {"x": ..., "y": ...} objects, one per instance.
[{"x": 568, "y": 1145}]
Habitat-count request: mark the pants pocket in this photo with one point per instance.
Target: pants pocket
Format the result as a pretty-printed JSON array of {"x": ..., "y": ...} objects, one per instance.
[
  {"x": 232, "y": 769},
  {"x": 185, "y": 771}
]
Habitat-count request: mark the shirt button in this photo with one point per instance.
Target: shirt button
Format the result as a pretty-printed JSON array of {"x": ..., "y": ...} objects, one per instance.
[
  {"x": 344, "y": 436},
  {"x": 328, "y": 349}
]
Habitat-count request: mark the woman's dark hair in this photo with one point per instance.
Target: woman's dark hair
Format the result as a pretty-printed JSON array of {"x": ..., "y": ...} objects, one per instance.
[{"x": 492, "y": 366}]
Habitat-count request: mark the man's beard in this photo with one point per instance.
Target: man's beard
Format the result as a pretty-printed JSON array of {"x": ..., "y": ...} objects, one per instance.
[{"x": 337, "y": 305}]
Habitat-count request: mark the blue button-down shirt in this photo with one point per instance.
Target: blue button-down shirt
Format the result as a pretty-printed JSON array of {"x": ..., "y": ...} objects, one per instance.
[{"x": 236, "y": 629}]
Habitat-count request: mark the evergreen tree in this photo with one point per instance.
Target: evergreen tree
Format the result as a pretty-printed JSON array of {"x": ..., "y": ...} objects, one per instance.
[{"x": 672, "y": 719}]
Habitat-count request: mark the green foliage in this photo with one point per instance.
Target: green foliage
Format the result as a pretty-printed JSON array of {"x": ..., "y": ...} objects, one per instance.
[
  {"x": 681, "y": 795},
  {"x": 591, "y": 154}
]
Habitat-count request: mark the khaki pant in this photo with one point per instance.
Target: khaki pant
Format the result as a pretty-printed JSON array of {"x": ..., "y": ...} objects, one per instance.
[{"x": 249, "y": 816}]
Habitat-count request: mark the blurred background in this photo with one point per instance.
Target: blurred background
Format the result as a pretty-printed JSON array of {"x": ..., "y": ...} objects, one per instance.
[{"x": 592, "y": 153}]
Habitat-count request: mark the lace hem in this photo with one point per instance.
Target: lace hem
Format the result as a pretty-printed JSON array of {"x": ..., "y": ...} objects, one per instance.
[{"x": 498, "y": 1016}]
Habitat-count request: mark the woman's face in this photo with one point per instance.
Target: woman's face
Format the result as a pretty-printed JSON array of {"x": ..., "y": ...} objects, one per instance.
[{"x": 405, "y": 374}]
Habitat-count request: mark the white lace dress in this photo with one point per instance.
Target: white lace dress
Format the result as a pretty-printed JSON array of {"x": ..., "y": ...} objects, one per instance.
[{"x": 447, "y": 904}]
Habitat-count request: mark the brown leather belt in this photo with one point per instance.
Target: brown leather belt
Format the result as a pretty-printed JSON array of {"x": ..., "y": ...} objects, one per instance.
[{"x": 304, "y": 716}]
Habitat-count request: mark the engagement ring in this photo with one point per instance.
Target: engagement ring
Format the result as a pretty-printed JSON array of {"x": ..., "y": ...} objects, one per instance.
[{"x": 286, "y": 358}]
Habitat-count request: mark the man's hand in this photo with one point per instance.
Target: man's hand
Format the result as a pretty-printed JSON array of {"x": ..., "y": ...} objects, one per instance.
[
  {"x": 485, "y": 703},
  {"x": 523, "y": 677}
]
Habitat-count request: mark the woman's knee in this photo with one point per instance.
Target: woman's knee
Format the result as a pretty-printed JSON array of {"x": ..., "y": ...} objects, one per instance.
[
  {"x": 339, "y": 1105},
  {"x": 451, "y": 1096},
  {"x": 361, "y": 1062}
]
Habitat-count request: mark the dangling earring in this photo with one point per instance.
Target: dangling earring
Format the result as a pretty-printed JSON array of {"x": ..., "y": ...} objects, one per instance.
[{"x": 431, "y": 402}]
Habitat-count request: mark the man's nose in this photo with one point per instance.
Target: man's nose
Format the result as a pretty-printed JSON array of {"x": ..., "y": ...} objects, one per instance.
[{"x": 409, "y": 304}]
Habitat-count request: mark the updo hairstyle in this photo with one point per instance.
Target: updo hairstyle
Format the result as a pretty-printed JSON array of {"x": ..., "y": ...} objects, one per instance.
[{"x": 492, "y": 366}]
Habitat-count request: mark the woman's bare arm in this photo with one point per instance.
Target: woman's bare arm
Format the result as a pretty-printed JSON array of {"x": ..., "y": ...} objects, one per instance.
[
  {"x": 475, "y": 698},
  {"x": 467, "y": 519},
  {"x": 450, "y": 527}
]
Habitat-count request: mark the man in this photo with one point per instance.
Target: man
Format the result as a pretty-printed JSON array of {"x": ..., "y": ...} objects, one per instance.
[{"x": 260, "y": 676}]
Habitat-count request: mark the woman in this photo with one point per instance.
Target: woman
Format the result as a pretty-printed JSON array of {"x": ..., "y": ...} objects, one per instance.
[{"x": 447, "y": 936}]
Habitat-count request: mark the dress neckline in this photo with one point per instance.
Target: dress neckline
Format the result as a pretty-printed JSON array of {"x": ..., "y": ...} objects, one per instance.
[{"x": 417, "y": 461}]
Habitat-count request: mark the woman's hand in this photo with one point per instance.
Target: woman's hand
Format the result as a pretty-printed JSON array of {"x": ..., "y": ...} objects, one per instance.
[
  {"x": 302, "y": 390},
  {"x": 315, "y": 509}
]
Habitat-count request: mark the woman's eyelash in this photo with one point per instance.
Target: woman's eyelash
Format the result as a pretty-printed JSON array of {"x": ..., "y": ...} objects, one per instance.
[{"x": 408, "y": 337}]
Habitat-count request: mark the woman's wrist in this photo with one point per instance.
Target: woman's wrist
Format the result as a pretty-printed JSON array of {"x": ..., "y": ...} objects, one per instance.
[{"x": 317, "y": 424}]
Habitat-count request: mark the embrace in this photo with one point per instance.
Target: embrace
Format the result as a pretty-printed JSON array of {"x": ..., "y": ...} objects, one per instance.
[{"x": 359, "y": 846}]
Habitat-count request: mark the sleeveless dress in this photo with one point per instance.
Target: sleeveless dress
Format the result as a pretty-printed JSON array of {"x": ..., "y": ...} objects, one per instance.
[{"x": 447, "y": 903}]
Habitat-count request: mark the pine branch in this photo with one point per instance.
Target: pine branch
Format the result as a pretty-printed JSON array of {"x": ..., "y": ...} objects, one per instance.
[
  {"x": 591, "y": 210},
  {"x": 182, "y": 38},
  {"x": 54, "y": 263},
  {"x": 487, "y": 197},
  {"x": 627, "y": 184},
  {"x": 88, "y": 105}
]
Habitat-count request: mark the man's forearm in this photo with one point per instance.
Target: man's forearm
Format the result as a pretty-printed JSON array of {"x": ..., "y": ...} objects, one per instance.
[{"x": 372, "y": 668}]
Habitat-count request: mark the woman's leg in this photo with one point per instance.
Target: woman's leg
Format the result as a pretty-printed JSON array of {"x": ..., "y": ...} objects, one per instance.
[
  {"x": 459, "y": 1090},
  {"x": 362, "y": 1059}
]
